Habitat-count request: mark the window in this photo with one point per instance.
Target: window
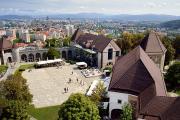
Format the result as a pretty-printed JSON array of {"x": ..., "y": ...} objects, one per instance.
[
  {"x": 117, "y": 53},
  {"x": 110, "y": 54},
  {"x": 119, "y": 101}
]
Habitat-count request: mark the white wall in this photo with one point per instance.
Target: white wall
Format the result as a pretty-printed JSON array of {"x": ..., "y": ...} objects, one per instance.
[
  {"x": 113, "y": 101},
  {"x": 105, "y": 55}
]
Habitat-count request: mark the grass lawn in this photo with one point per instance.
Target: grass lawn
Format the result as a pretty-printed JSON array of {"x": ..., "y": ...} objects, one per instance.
[
  {"x": 24, "y": 67},
  {"x": 47, "y": 113},
  {"x": 3, "y": 68},
  {"x": 177, "y": 92}
]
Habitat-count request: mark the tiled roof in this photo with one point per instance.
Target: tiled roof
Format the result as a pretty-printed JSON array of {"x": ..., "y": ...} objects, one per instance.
[
  {"x": 135, "y": 72},
  {"x": 5, "y": 44},
  {"x": 166, "y": 108},
  {"x": 97, "y": 42},
  {"x": 152, "y": 43}
]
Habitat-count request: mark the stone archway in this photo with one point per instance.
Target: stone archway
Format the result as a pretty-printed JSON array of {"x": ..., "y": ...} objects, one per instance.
[
  {"x": 44, "y": 56},
  {"x": 69, "y": 54},
  {"x": 31, "y": 57},
  {"x": 24, "y": 57},
  {"x": 38, "y": 56},
  {"x": 64, "y": 54},
  {"x": 116, "y": 114},
  {"x": 9, "y": 60}
]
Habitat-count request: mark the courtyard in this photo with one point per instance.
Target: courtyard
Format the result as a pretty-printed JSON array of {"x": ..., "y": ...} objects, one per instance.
[{"x": 47, "y": 84}]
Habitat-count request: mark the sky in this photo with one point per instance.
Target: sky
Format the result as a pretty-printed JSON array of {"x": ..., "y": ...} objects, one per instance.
[{"x": 45, "y": 7}]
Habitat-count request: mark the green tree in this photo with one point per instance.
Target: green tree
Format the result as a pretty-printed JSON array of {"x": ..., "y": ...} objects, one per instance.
[
  {"x": 172, "y": 77},
  {"x": 176, "y": 45},
  {"x": 15, "y": 98},
  {"x": 66, "y": 41},
  {"x": 98, "y": 93},
  {"x": 53, "y": 53},
  {"x": 170, "y": 50},
  {"x": 78, "y": 107},
  {"x": 15, "y": 88},
  {"x": 129, "y": 41},
  {"x": 53, "y": 43},
  {"x": 127, "y": 112},
  {"x": 15, "y": 110}
]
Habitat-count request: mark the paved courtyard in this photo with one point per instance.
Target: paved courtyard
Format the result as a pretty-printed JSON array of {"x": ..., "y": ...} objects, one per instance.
[{"x": 47, "y": 84}]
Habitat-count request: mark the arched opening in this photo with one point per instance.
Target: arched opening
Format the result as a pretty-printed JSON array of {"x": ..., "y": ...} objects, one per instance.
[
  {"x": 69, "y": 54},
  {"x": 44, "y": 56},
  {"x": 116, "y": 114},
  {"x": 9, "y": 60},
  {"x": 23, "y": 58},
  {"x": 64, "y": 54},
  {"x": 31, "y": 57},
  {"x": 38, "y": 56}
]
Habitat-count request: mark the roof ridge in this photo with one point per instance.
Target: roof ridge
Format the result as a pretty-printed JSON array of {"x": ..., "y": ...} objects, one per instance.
[{"x": 159, "y": 41}]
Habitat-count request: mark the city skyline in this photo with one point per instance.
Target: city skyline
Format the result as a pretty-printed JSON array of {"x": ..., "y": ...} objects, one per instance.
[{"x": 113, "y": 7}]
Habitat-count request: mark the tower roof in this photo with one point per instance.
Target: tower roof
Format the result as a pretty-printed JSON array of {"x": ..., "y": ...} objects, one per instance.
[
  {"x": 135, "y": 72},
  {"x": 152, "y": 43}
]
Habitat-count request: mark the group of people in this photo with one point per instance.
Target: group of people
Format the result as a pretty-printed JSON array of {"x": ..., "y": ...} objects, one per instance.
[
  {"x": 66, "y": 89},
  {"x": 81, "y": 82}
]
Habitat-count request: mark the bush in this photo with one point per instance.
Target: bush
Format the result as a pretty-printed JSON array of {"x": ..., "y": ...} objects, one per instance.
[
  {"x": 172, "y": 76},
  {"x": 78, "y": 107},
  {"x": 127, "y": 112},
  {"x": 15, "y": 110}
]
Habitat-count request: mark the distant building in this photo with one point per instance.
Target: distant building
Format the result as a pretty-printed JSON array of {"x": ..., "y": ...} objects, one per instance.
[
  {"x": 25, "y": 37},
  {"x": 69, "y": 29},
  {"x": 11, "y": 33},
  {"x": 39, "y": 36},
  {"x": 5, "y": 50},
  {"x": 2, "y": 32},
  {"x": 153, "y": 46}
]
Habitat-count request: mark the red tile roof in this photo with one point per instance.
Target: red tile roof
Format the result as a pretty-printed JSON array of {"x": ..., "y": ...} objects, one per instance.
[{"x": 5, "y": 44}]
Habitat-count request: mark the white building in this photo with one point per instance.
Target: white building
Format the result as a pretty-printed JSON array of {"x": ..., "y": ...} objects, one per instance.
[{"x": 69, "y": 29}]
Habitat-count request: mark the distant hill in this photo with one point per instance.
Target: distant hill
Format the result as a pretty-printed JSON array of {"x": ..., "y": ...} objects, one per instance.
[
  {"x": 11, "y": 17},
  {"x": 174, "y": 24},
  {"x": 123, "y": 17}
]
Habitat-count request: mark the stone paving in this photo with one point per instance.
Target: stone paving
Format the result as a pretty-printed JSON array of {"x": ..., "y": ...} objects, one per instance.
[{"x": 47, "y": 84}]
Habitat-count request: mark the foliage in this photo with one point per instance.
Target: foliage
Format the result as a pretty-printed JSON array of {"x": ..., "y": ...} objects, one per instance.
[
  {"x": 53, "y": 53},
  {"x": 78, "y": 107},
  {"x": 17, "y": 97},
  {"x": 53, "y": 43},
  {"x": 170, "y": 50},
  {"x": 108, "y": 68},
  {"x": 47, "y": 113},
  {"x": 3, "y": 68},
  {"x": 66, "y": 41},
  {"x": 176, "y": 45},
  {"x": 174, "y": 24},
  {"x": 17, "y": 41},
  {"x": 15, "y": 88},
  {"x": 16, "y": 110},
  {"x": 172, "y": 76},
  {"x": 23, "y": 68},
  {"x": 98, "y": 93},
  {"x": 129, "y": 41},
  {"x": 127, "y": 112}
]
